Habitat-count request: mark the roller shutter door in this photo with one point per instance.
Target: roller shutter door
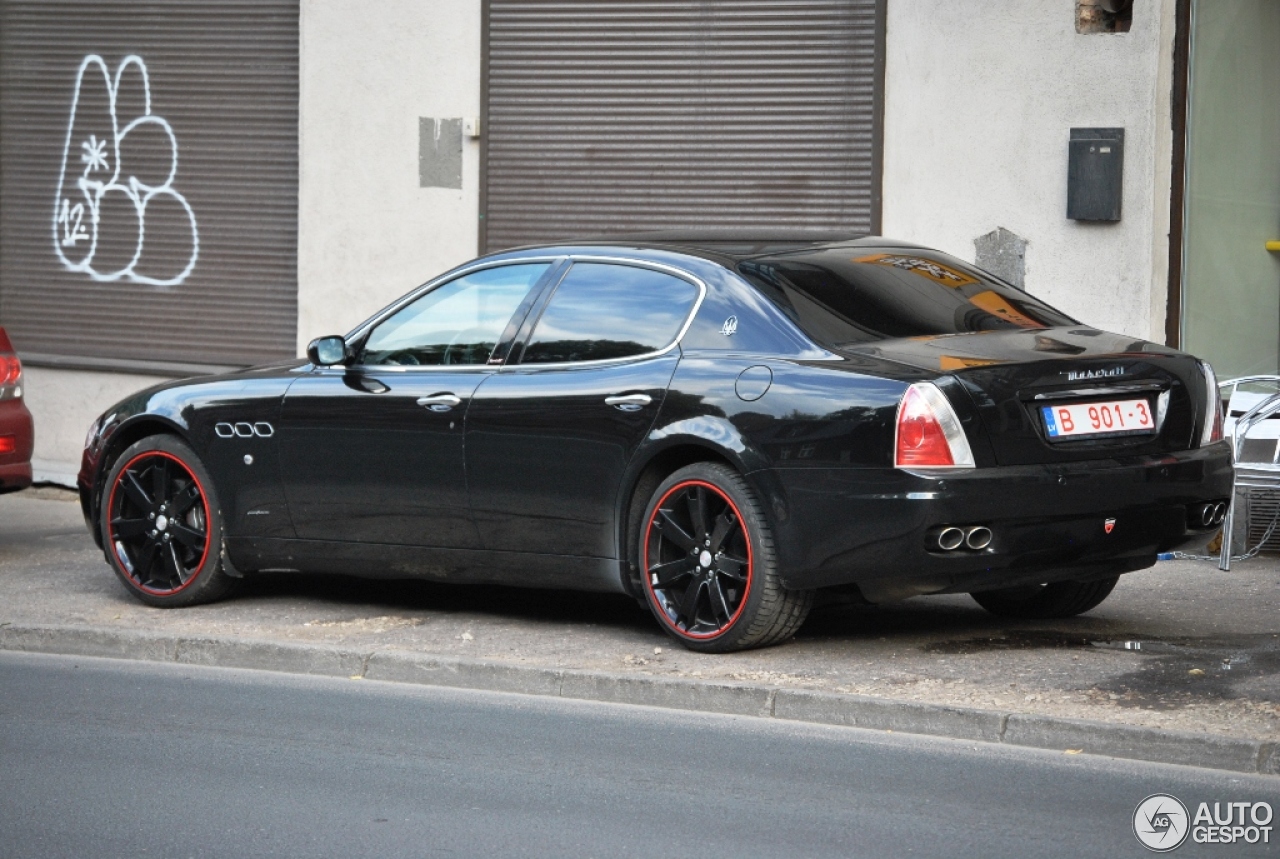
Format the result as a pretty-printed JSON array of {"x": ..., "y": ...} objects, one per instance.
[
  {"x": 149, "y": 179},
  {"x": 618, "y": 117}
]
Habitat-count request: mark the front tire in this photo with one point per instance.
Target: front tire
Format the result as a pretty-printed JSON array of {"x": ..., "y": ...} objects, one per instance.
[
  {"x": 709, "y": 565},
  {"x": 162, "y": 526},
  {"x": 1043, "y": 602}
]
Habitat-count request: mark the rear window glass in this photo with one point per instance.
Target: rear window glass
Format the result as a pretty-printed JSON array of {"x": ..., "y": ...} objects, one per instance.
[
  {"x": 844, "y": 296},
  {"x": 601, "y": 311}
]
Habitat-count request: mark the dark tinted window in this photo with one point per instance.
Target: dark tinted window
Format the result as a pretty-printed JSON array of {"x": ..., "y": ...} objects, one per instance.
[
  {"x": 841, "y": 296},
  {"x": 458, "y": 322},
  {"x": 602, "y": 311}
]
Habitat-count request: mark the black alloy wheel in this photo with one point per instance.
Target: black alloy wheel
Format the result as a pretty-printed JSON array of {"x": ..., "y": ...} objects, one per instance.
[
  {"x": 162, "y": 529},
  {"x": 710, "y": 572}
]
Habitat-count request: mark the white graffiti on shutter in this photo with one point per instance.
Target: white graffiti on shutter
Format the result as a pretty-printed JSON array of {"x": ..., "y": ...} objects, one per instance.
[{"x": 113, "y": 164}]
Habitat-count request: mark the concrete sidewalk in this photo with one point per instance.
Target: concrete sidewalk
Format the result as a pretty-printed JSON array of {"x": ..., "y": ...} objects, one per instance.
[{"x": 1181, "y": 664}]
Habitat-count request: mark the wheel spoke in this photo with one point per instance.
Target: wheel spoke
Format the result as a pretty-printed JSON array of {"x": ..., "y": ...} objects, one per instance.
[
  {"x": 726, "y": 522},
  {"x": 133, "y": 488},
  {"x": 732, "y": 567},
  {"x": 183, "y": 573},
  {"x": 124, "y": 529},
  {"x": 697, "y": 500},
  {"x": 160, "y": 479},
  {"x": 689, "y": 605},
  {"x": 146, "y": 559},
  {"x": 185, "y": 500},
  {"x": 188, "y": 537},
  {"x": 672, "y": 530},
  {"x": 719, "y": 605},
  {"x": 172, "y": 564},
  {"x": 671, "y": 570}
]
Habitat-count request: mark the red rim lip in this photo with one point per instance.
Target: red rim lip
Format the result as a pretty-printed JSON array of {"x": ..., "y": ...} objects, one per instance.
[
  {"x": 746, "y": 590},
  {"x": 204, "y": 502}
]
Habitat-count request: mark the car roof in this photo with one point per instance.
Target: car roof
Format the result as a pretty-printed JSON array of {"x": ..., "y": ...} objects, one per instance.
[{"x": 724, "y": 246}]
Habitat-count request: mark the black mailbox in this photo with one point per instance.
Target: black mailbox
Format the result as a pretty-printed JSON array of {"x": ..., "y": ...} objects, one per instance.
[{"x": 1095, "y": 173}]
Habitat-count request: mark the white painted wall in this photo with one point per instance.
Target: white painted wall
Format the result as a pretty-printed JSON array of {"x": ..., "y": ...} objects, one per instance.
[
  {"x": 367, "y": 233},
  {"x": 979, "y": 103},
  {"x": 62, "y": 404}
]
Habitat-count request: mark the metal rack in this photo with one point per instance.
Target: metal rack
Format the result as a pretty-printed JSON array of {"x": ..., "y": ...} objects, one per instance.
[{"x": 1252, "y": 422}]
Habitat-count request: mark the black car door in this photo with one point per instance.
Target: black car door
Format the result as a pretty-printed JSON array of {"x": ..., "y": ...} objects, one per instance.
[
  {"x": 548, "y": 438},
  {"x": 373, "y": 452}
]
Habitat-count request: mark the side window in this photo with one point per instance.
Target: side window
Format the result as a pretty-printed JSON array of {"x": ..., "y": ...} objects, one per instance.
[
  {"x": 604, "y": 310},
  {"x": 458, "y": 322}
]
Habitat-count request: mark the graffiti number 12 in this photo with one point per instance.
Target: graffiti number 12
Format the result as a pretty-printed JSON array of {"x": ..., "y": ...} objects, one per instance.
[{"x": 72, "y": 217}]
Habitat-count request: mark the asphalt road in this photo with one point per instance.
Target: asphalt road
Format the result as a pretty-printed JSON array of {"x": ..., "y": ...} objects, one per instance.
[{"x": 100, "y": 758}]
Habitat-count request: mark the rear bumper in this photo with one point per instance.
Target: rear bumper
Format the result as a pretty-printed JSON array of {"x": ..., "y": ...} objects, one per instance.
[
  {"x": 15, "y": 476},
  {"x": 15, "y": 468},
  {"x": 877, "y": 528}
]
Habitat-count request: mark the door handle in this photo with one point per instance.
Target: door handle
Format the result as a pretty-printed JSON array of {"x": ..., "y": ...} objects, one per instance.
[
  {"x": 628, "y": 402},
  {"x": 440, "y": 402}
]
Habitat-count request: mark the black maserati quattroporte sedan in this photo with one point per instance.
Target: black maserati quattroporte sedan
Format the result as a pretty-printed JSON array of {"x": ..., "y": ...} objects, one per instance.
[{"x": 719, "y": 427}]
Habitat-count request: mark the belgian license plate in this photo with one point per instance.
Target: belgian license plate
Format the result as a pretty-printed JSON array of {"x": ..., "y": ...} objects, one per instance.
[{"x": 1109, "y": 418}]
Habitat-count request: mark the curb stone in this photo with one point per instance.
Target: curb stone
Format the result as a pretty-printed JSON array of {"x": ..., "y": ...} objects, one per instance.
[
  {"x": 399, "y": 666},
  {"x": 885, "y": 714},
  {"x": 270, "y": 656},
  {"x": 800, "y": 705},
  {"x": 1133, "y": 741}
]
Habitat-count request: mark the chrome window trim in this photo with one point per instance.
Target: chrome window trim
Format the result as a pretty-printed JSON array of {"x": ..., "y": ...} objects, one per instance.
[
  {"x": 339, "y": 369},
  {"x": 635, "y": 263}
]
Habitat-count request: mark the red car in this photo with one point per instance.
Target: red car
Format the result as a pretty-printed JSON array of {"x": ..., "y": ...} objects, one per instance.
[{"x": 17, "y": 434}]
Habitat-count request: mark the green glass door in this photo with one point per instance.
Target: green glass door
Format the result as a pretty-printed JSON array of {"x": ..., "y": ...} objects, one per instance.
[{"x": 1231, "y": 282}]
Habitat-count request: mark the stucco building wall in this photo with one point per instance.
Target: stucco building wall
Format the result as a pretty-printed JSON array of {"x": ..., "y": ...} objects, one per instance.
[
  {"x": 979, "y": 104},
  {"x": 367, "y": 231}
]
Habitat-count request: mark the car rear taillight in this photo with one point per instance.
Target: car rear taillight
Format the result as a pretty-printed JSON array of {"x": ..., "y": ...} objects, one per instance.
[
  {"x": 1212, "y": 430},
  {"x": 8, "y": 443},
  {"x": 10, "y": 376},
  {"x": 929, "y": 434}
]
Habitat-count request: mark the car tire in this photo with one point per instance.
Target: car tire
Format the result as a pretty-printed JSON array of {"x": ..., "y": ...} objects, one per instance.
[
  {"x": 707, "y": 512},
  {"x": 1042, "y": 602},
  {"x": 162, "y": 525}
]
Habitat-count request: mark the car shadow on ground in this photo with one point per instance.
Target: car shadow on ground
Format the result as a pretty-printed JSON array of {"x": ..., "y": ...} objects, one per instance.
[
  {"x": 834, "y": 622},
  {"x": 496, "y": 601}
]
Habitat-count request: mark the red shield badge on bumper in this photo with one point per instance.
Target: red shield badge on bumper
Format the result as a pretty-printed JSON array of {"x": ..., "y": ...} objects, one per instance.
[{"x": 1109, "y": 525}]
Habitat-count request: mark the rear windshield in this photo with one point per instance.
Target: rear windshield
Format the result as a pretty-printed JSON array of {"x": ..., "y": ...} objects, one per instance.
[{"x": 841, "y": 296}]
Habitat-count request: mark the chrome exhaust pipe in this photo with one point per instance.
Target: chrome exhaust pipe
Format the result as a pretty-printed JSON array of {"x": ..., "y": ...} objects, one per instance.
[
  {"x": 1219, "y": 512},
  {"x": 1207, "y": 513},
  {"x": 978, "y": 538},
  {"x": 950, "y": 538}
]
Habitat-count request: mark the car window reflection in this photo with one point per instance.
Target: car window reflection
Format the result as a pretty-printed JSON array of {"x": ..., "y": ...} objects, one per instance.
[
  {"x": 457, "y": 323},
  {"x": 602, "y": 311},
  {"x": 838, "y": 299}
]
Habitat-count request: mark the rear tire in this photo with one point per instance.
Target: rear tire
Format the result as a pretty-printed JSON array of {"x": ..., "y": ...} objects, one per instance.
[
  {"x": 1041, "y": 602},
  {"x": 162, "y": 525},
  {"x": 709, "y": 567}
]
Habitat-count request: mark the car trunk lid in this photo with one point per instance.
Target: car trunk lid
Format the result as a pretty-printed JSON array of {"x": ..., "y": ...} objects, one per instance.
[{"x": 1063, "y": 394}]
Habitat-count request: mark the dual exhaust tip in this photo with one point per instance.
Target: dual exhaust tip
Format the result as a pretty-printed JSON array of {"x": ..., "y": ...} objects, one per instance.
[
  {"x": 975, "y": 537},
  {"x": 1212, "y": 514}
]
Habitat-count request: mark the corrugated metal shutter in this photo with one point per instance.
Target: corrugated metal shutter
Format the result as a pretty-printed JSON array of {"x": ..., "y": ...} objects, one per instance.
[
  {"x": 618, "y": 117},
  {"x": 223, "y": 76}
]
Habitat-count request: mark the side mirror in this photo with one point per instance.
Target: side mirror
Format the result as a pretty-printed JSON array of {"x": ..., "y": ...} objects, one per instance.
[{"x": 327, "y": 351}]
